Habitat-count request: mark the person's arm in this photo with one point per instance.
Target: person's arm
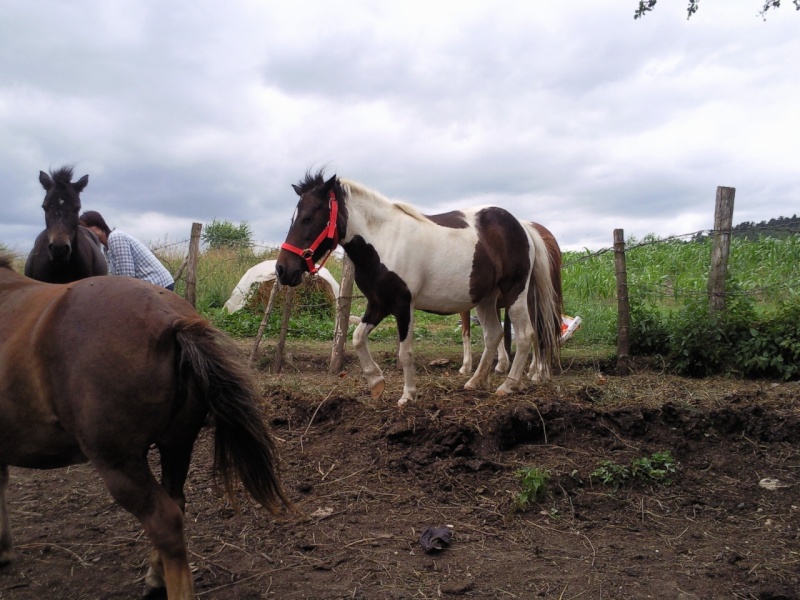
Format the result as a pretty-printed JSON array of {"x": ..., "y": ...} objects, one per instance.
[{"x": 119, "y": 250}]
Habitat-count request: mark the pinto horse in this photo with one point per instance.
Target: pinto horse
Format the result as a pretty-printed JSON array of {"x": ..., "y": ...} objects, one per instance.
[
  {"x": 65, "y": 251},
  {"x": 99, "y": 370},
  {"x": 536, "y": 370},
  {"x": 405, "y": 261}
]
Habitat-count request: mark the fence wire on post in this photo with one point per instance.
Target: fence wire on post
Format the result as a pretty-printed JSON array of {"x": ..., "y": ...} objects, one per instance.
[
  {"x": 191, "y": 265},
  {"x": 343, "y": 305},
  {"x": 623, "y": 305},
  {"x": 723, "y": 222}
]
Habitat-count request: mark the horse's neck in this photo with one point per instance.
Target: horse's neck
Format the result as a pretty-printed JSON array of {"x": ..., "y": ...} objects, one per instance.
[{"x": 370, "y": 216}]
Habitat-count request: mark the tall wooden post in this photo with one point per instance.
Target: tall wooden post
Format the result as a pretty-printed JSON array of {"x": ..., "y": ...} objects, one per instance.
[
  {"x": 343, "y": 304},
  {"x": 623, "y": 304},
  {"x": 191, "y": 264},
  {"x": 288, "y": 299},
  {"x": 265, "y": 320},
  {"x": 723, "y": 221}
]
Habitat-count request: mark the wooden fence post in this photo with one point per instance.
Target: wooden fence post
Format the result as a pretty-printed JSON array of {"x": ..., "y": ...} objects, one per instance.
[
  {"x": 723, "y": 220},
  {"x": 191, "y": 265},
  {"x": 623, "y": 305},
  {"x": 263, "y": 325},
  {"x": 343, "y": 304},
  {"x": 288, "y": 299}
]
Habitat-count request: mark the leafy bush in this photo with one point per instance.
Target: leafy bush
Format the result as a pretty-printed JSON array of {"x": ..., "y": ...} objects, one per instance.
[
  {"x": 656, "y": 468},
  {"x": 534, "y": 485},
  {"x": 224, "y": 234}
]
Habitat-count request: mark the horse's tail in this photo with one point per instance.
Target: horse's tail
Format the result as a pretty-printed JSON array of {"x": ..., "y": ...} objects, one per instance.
[
  {"x": 544, "y": 304},
  {"x": 243, "y": 447}
]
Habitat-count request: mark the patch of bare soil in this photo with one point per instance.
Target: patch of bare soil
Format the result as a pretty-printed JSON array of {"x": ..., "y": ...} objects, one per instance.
[{"x": 370, "y": 478}]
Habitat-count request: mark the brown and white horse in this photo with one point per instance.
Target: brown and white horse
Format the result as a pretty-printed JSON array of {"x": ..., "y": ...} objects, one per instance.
[
  {"x": 537, "y": 371},
  {"x": 405, "y": 261}
]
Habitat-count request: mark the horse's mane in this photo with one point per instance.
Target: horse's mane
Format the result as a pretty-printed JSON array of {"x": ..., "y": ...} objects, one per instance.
[
  {"x": 311, "y": 181},
  {"x": 6, "y": 261},
  {"x": 374, "y": 196},
  {"x": 62, "y": 175}
]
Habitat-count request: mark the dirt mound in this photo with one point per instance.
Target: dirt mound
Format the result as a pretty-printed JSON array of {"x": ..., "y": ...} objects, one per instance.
[{"x": 370, "y": 478}]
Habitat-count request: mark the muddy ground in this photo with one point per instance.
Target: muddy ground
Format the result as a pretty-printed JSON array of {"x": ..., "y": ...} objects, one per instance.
[{"x": 371, "y": 478}]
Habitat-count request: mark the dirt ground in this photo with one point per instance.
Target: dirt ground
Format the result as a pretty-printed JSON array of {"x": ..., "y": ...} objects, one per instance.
[{"x": 370, "y": 478}]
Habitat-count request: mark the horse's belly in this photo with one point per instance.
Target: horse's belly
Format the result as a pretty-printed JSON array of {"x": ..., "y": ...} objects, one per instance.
[{"x": 39, "y": 447}]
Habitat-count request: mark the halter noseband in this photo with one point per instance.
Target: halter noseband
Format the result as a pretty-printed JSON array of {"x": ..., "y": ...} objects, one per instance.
[{"x": 330, "y": 232}]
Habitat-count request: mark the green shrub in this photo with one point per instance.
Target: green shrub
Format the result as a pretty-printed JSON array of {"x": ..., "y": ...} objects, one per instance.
[
  {"x": 534, "y": 485},
  {"x": 224, "y": 234}
]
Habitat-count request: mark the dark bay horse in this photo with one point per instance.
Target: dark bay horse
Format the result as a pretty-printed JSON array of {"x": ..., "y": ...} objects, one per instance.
[
  {"x": 65, "y": 251},
  {"x": 536, "y": 370},
  {"x": 405, "y": 261},
  {"x": 99, "y": 370}
]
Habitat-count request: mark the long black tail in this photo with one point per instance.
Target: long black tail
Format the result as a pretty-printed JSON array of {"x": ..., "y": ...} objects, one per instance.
[{"x": 243, "y": 447}]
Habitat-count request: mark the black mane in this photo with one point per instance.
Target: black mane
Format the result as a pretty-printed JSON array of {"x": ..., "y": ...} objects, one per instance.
[
  {"x": 62, "y": 176},
  {"x": 311, "y": 181}
]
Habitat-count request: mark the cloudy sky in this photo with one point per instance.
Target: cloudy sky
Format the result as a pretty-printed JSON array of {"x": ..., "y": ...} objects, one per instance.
[{"x": 569, "y": 113}]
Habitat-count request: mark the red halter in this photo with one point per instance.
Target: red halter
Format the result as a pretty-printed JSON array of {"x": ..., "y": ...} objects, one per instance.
[{"x": 330, "y": 232}]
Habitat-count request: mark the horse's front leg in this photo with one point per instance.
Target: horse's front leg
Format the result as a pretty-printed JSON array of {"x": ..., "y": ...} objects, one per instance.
[
  {"x": 6, "y": 543},
  {"x": 492, "y": 336},
  {"x": 372, "y": 371}
]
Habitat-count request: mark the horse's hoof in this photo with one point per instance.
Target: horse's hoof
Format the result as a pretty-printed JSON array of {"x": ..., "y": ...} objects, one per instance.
[
  {"x": 6, "y": 558},
  {"x": 154, "y": 582},
  {"x": 377, "y": 390},
  {"x": 402, "y": 402}
]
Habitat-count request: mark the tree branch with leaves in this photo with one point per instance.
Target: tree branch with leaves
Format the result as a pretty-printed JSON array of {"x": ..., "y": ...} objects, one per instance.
[{"x": 645, "y": 6}]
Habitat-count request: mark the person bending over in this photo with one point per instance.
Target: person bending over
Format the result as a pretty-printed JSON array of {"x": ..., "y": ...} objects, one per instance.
[{"x": 125, "y": 254}]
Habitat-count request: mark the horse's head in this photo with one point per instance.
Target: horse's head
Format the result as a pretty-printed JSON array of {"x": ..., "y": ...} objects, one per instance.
[
  {"x": 314, "y": 233},
  {"x": 62, "y": 205}
]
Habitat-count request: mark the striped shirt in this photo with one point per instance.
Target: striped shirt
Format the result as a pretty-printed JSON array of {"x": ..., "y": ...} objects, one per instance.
[{"x": 128, "y": 256}]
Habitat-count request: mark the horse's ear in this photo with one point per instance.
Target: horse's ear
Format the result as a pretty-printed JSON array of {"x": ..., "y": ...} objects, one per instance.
[
  {"x": 297, "y": 190},
  {"x": 45, "y": 180},
  {"x": 330, "y": 184},
  {"x": 81, "y": 183}
]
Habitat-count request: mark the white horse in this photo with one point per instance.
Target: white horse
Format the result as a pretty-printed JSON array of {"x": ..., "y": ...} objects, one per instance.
[{"x": 405, "y": 261}]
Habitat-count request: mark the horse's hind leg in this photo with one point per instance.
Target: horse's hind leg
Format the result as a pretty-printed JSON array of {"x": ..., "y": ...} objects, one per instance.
[
  {"x": 175, "y": 462},
  {"x": 135, "y": 489},
  {"x": 6, "y": 544},
  {"x": 523, "y": 332},
  {"x": 492, "y": 336},
  {"x": 466, "y": 344}
]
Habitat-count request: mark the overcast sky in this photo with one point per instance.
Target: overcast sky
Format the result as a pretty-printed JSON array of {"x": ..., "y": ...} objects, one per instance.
[{"x": 569, "y": 113}]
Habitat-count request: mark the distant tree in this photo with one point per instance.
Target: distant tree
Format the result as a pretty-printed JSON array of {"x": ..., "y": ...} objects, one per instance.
[
  {"x": 645, "y": 6},
  {"x": 224, "y": 234}
]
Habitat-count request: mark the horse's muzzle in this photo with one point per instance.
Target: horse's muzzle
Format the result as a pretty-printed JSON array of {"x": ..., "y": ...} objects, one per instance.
[
  {"x": 286, "y": 276},
  {"x": 60, "y": 252}
]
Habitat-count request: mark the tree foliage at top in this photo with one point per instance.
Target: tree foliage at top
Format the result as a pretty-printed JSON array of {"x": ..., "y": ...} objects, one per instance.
[
  {"x": 645, "y": 6},
  {"x": 224, "y": 234}
]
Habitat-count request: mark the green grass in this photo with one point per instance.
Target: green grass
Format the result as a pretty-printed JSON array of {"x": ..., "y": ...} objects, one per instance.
[{"x": 664, "y": 275}]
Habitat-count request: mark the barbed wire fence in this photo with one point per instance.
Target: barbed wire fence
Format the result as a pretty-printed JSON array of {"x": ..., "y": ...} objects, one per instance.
[{"x": 640, "y": 287}]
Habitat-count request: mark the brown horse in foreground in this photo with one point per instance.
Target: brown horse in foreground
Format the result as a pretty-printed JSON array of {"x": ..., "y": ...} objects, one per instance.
[
  {"x": 99, "y": 370},
  {"x": 536, "y": 370}
]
